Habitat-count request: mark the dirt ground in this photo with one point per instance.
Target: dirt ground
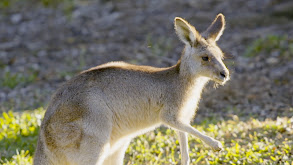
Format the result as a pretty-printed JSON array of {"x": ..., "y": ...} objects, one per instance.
[{"x": 44, "y": 47}]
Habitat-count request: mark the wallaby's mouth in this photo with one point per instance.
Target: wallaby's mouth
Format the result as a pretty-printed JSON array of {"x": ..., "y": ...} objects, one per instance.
[{"x": 221, "y": 80}]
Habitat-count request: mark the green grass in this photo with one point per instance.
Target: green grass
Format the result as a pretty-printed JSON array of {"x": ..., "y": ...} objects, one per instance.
[
  {"x": 46, "y": 3},
  {"x": 11, "y": 80},
  {"x": 18, "y": 135},
  {"x": 67, "y": 6},
  {"x": 272, "y": 43},
  {"x": 245, "y": 142}
]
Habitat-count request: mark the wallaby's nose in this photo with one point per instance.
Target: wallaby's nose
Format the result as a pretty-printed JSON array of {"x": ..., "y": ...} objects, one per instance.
[{"x": 223, "y": 74}]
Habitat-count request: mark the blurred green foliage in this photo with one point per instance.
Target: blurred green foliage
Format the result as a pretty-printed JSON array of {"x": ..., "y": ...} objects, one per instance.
[
  {"x": 280, "y": 44},
  {"x": 159, "y": 46},
  {"x": 46, "y": 3},
  {"x": 11, "y": 80},
  {"x": 245, "y": 142},
  {"x": 67, "y": 6}
]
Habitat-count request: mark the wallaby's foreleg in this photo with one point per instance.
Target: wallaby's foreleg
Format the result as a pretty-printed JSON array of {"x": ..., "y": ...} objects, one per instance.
[
  {"x": 173, "y": 122},
  {"x": 183, "y": 141},
  {"x": 214, "y": 144}
]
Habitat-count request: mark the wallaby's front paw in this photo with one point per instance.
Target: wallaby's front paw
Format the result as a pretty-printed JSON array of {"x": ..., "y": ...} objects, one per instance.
[{"x": 216, "y": 145}]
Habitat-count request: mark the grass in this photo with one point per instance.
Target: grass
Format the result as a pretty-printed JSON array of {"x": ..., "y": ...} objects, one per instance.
[
  {"x": 18, "y": 135},
  {"x": 245, "y": 142},
  {"x": 67, "y": 6},
  {"x": 46, "y": 3},
  {"x": 272, "y": 43},
  {"x": 11, "y": 80}
]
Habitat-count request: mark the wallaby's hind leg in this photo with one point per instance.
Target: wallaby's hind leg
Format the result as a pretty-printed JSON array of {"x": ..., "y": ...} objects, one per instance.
[
  {"x": 76, "y": 138},
  {"x": 95, "y": 144},
  {"x": 117, "y": 157},
  {"x": 91, "y": 152}
]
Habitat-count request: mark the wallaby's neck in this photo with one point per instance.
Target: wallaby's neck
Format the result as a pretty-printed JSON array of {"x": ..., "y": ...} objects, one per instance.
[
  {"x": 187, "y": 90},
  {"x": 190, "y": 80}
]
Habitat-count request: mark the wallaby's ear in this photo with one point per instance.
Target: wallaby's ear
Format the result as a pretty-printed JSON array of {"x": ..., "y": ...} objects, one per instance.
[
  {"x": 186, "y": 32},
  {"x": 215, "y": 30}
]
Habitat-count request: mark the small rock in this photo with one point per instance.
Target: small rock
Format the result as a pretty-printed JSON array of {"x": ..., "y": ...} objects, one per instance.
[
  {"x": 278, "y": 72},
  {"x": 42, "y": 53},
  {"x": 76, "y": 14},
  {"x": 255, "y": 108},
  {"x": 3, "y": 54},
  {"x": 272, "y": 60},
  {"x": 263, "y": 113},
  {"x": 9, "y": 45},
  {"x": 275, "y": 53},
  {"x": 35, "y": 66},
  {"x": 2, "y": 96},
  {"x": 16, "y": 18}
]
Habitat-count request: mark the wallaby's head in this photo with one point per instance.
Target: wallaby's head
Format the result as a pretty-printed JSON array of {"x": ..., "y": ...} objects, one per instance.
[{"x": 202, "y": 56}]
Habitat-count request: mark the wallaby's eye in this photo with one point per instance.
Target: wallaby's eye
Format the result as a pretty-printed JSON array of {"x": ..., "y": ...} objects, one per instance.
[{"x": 205, "y": 58}]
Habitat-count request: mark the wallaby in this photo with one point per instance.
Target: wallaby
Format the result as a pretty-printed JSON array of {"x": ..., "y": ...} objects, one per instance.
[{"x": 93, "y": 117}]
